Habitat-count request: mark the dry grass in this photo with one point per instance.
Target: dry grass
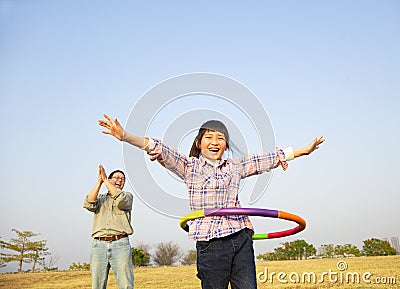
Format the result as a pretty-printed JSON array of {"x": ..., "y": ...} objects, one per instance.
[{"x": 184, "y": 277}]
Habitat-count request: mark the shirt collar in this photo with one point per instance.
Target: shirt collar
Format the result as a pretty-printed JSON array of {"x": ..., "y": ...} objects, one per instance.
[{"x": 214, "y": 163}]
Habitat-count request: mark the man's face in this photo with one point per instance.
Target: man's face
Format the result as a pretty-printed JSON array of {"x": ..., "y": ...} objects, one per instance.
[{"x": 118, "y": 180}]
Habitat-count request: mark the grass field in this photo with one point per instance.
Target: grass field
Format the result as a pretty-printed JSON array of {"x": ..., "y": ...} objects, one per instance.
[{"x": 328, "y": 273}]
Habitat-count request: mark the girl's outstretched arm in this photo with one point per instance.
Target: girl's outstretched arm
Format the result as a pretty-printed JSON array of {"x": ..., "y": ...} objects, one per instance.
[
  {"x": 310, "y": 148},
  {"x": 115, "y": 129}
]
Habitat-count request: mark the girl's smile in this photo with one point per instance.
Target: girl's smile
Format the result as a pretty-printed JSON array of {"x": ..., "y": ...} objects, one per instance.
[{"x": 212, "y": 145}]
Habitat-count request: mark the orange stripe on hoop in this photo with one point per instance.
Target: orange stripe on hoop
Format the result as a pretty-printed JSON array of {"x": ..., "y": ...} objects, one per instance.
[{"x": 292, "y": 217}]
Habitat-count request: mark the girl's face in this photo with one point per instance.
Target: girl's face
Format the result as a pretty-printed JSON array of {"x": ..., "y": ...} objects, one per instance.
[{"x": 212, "y": 145}]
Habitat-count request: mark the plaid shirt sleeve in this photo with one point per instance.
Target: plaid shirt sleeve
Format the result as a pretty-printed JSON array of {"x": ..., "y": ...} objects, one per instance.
[
  {"x": 255, "y": 164},
  {"x": 173, "y": 160}
]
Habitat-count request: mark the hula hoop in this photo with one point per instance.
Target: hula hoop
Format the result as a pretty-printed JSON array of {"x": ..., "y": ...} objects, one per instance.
[{"x": 249, "y": 212}]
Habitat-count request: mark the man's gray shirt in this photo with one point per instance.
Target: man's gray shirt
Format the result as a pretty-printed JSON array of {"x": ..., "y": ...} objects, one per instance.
[{"x": 112, "y": 215}]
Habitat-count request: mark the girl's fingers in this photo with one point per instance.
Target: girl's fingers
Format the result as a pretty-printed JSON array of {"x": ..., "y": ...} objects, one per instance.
[
  {"x": 107, "y": 117},
  {"x": 102, "y": 123},
  {"x": 106, "y": 123}
]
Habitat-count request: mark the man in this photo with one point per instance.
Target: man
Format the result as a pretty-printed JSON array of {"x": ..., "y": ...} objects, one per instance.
[{"x": 111, "y": 228}]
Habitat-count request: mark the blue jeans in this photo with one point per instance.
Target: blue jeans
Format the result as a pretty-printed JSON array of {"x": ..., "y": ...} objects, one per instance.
[
  {"x": 227, "y": 259},
  {"x": 116, "y": 255}
]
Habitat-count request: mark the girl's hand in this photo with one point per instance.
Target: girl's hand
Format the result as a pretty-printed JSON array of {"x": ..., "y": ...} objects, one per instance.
[
  {"x": 113, "y": 127},
  {"x": 314, "y": 145},
  {"x": 310, "y": 148}
]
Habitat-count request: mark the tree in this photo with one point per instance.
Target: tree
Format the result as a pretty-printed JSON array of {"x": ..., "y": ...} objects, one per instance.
[
  {"x": 190, "y": 258},
  {"x": 38, "y": 253},
  {"x": 268, "y": 256},
  {"x": 167, "y": 254},
  {"x": 302, "y": 250},
  {"x": 50, "y": 265},
  {"x": 328, "y": 250},
  {"x": 309, "y": 250},
  {"x": 78, "y": 266},
  {"x": 145, "y": 259},
  {"x": 295, "y": 250},
  {"x": 26, "y": 250},
  {"x": 139, "y": 257},
  {"x": 347, "y": 250},
  {"x": 280, "y": 253},
  {"x": 377, "y": 247},
  {"x": 2, "y": 258}
]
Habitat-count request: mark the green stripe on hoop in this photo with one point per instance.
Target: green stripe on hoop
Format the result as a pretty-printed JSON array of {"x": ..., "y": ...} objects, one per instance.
[
  {"x": 260, "y": 236},
  {"x": 191, "y": 216}
]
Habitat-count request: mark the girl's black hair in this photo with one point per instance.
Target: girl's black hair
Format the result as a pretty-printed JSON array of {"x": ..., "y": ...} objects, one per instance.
[
  {"x": 116, "y": 171},
  {"x": 213, "y": 125}
]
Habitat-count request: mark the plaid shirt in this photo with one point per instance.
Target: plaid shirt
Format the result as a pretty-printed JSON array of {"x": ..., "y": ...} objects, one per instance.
[{"x": 214, "y": 186}]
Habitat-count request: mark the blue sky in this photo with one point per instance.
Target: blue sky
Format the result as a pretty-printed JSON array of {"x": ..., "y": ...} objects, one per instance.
[{"x": 319, "y": 68}]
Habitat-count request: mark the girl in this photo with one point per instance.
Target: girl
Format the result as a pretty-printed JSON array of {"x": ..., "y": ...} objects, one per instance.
[{"x": 224, "y": 243}]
